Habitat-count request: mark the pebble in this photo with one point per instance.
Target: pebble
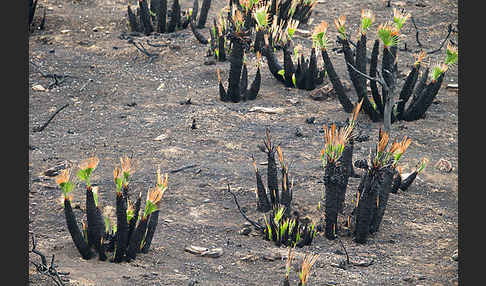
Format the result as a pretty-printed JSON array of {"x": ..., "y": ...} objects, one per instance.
[
  {"x": 38, "y": 87},
  {"x": 455, "y": 256},
  {"x": 210, "y": 62},
  {"x": 213, "y": 253},
  {"x": 272, "y": 256},
  {"x": 98, "y": 28},
  {"x": 245, "y": 230}
]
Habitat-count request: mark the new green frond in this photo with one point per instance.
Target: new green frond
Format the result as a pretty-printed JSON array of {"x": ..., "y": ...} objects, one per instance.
[
  {"x": 340, "y": 25},
  {"x": 86, "y": 169},
  {"x": 438, "y": 70},
  {"x": 261, "y": 16},
  {"x": 319, "y": 38},
  {"x": 388, "y": 34},
  {"x": 400, "y": 18},
  {"x": 420, "y": 57},
  {"x": 126, "y": 169},
  {"x": 291, "y": 27},
  {"x": 423, "y": 163},
  {"x": 451, "y": 55},
  {"x": 130, "y": 212},
  {"x": 63, "y": 181},
  {"x": 150, "y": 207},
  {"x": 367, "y": 19},
  {"x": 278, "y": 215}
]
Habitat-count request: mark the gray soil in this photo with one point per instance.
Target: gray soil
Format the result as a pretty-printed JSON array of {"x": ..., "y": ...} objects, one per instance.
[{"x": 120, "y": 102}]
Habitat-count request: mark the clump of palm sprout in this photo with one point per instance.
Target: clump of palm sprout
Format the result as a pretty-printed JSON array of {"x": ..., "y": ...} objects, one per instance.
[
  {"x": 376, "y": 185},
  {"x": 131, "y": 233},
  {"x": 390, "y": 104},
  {"x": 304, "y": 74},
  {"x": 280, "y": 225},
  {"x": 271, "y": 17},
  {"x": 67, "y": 186},
  {"x": 238, "y": 74},
  {"x": 155, "y": 18},
  {"x": 287, "y": 230},
  {"x": 336, "y": 170}
]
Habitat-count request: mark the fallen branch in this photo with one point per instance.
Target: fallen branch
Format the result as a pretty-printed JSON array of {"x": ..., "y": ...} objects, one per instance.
[
  {"x": 345, "y": 251},
  {"x": 58, "y": 78},
  {"x": 39, "y": 129},
  {"x": 182, "y": 169},
  {"x": 156, "y": 45},
  {"x": 449, "y": 31},
  {"x": 44, "y": 269},
  {"x": 142, "y": 49},
  {"x": 255, "y": 224},
  {"x": 416, "y": 33}
]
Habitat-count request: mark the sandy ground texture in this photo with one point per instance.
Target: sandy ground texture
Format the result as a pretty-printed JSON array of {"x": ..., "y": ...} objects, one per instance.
[{"x": 121, "y": 103}]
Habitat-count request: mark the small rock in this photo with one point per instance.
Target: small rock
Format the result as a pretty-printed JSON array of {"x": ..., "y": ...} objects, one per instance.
[
  {"x": 455, "y": 256},
  {"x": 161, "y": 137},
  {"x": 443, "y": 165},
  {"x": 310, "y": 120},
  {"x": 363, "y": 263},
  {"x": 195, "y": 249},
  {"x": 271, "y": 110},
  {"x": 38, "y": 87},
  {"x": 210, "y": 62},
  {"x": 272, "y": 256},
  {"x": 293, "y": 101},
  {"x": 298, "y": 132},
  {"x": 245, "y": 231},
  {"x": 214, "y": 253},
  {"x": 408, "y": 279},
  {"x": 453, "y": 85}
]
